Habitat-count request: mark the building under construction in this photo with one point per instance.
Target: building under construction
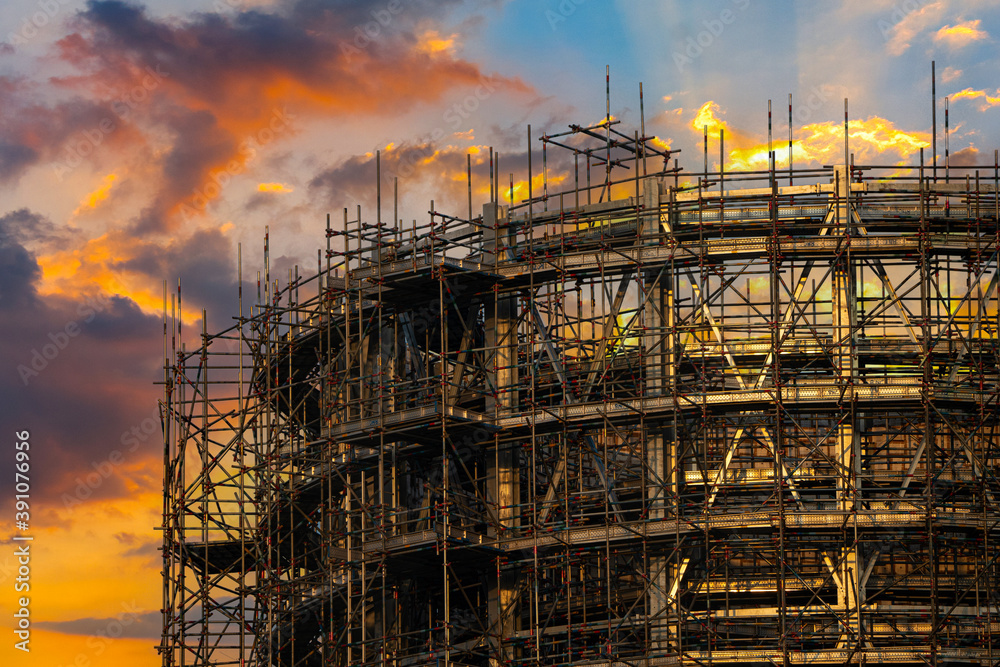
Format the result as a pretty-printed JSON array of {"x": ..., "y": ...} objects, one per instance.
[{"x": 672, "y": 417}]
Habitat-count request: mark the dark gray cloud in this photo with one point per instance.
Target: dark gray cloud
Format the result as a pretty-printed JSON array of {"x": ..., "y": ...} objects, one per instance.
[
  {"x": 25, "y": 227},
  {"x": 204, "y": 264},
  {"x": 18, "y": 268},
  {"x": 15, "y": 158},
  {"x": 77, "y": 374},
  {"x": 130, "y": 623},
  {"x": 431, "y": 163}
]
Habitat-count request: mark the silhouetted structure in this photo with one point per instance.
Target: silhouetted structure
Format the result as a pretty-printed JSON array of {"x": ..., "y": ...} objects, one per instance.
[{"x": 719, "y": 418}]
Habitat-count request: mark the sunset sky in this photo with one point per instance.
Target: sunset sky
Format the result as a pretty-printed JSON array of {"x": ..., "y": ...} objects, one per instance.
[{"x": 141, "y": 142}]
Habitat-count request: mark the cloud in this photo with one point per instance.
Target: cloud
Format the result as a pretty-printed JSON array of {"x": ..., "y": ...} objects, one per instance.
[
  {"x": 431, "y": 42},
  {"x": 900, "y": 35},
  {"x": 201, "y": 155},
  {"x": 950, "y": 74},
  {"x": 78, "y": 371},
  {"x": 63, "y": 133},
  {"x": 134, "y": 268},
  {"x": 970, "y": 94},
  {"x": 278, "y": 188},
  {"x": 25, "y": 227},
  {"x": 442, "y": 166},
  {"x": 94, "y": 199},
  {"x": 14, "y": 158},
  {"x": 167, "y": 102},
  {"x": 817, "y": 143},
  {"x": 131, "y": 623},
  {"x": 21, "y": 231},
  {"x": 709, "y": 116},
  {"x": 81, "y": 360},
  {"x": 961, "y": 34},
  {"x": 967, "y": 161},
  {"x": 18, "y": 269},
  {"x": 308, "y": 59}
]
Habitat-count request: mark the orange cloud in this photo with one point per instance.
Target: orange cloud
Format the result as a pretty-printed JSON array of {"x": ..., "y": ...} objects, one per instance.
[
  {"x": 961, "y": 34},
  {"x": 823, "y": 143},
  {"x": 900, "y": 34},
  {"x": 443, "y": 166},
  {"x": 656, "y": 142},
  {"x": 706, "y": 119},
  {"x": 93, "y": 199},
  {"x": 103, "y": 265},
  {"x": 432, "y": 43},
  {"x": 603, "y": 120},
  {"x": 278, "y": 188},
  {"x": 708, "y": 116},
  {"x": 217, "y": 118},
  {"x": 61, "y": 271},
  {"x": 520, "y": 191},
  {"x": 969, "y": 93}
]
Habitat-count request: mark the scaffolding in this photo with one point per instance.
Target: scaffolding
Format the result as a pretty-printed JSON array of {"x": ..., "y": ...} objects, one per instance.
[{"x": 672, "y": 418}]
